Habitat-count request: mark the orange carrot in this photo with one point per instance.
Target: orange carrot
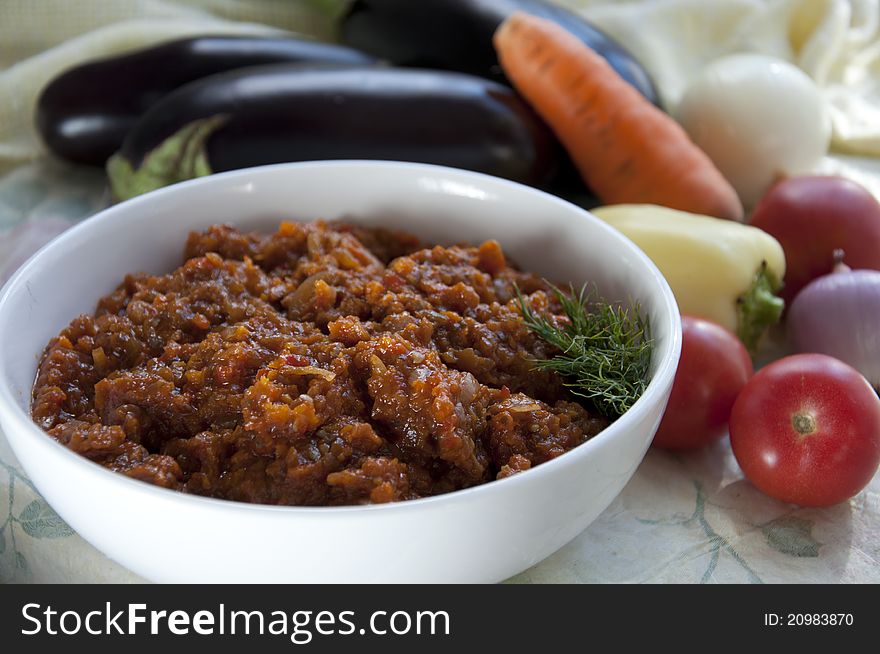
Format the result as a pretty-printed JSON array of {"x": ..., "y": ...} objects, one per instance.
[{"x": 627, "y": 150}]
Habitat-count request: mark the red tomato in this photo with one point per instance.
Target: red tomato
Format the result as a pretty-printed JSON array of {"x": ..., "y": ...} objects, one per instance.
[
  {"x": 714, "y": 366},
  {"x": 806, "y": 430},
  {"x": 813, "y": 216}
]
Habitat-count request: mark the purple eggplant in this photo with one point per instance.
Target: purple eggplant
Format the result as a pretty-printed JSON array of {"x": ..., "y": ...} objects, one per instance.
[
  {"x": 457, "y": 35},
  {"x": 84, "y": 114},
  {"x": 285, "y": 112}
]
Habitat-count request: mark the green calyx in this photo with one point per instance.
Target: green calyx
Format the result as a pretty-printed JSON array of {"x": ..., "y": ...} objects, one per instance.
[
  {"x": 180, "y": 157},
  {"x": 759, "y": 308}
]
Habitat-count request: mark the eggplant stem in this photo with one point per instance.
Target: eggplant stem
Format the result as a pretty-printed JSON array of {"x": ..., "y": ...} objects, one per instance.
[{"x": 180, "y": 157}]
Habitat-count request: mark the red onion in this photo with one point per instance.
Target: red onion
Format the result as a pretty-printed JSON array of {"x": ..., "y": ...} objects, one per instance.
[{"x": 839, "y": 315}]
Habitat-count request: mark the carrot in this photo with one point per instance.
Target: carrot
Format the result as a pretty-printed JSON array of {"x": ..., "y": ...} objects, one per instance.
[{"x": 627, "y": 150}]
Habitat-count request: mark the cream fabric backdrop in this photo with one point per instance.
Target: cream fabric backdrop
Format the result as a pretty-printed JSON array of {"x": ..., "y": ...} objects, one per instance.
[{"x": 41, "y": 38}]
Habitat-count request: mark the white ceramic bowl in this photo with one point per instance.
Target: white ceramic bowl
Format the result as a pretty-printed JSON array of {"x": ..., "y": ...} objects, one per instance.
[{"x": 482, "y": 534}]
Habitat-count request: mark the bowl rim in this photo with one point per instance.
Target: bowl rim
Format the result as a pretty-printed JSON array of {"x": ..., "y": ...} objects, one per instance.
[{"x": 664, "y": 374}]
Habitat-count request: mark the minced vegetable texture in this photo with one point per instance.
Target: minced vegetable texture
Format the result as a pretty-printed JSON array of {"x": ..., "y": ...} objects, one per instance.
[{"x": 324, "y": 364}]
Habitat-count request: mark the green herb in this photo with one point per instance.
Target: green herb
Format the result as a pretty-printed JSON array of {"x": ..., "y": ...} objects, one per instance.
[{"x": 605, "y": 349}]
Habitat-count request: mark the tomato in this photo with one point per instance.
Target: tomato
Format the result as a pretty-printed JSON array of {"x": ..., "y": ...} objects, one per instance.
[
  {"x": 811, "y": 217},
  {"x": 806, "y": 430},
  {"x": 714, "y": 366}
]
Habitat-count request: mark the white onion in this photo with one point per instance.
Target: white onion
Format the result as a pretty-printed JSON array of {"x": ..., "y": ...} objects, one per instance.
[
  {"x": 758, "y": 118},
  {"x": 839, "y": 315}
]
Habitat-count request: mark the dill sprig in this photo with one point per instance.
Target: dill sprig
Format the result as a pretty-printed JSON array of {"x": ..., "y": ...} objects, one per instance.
[{"x": 605, "y": 349}]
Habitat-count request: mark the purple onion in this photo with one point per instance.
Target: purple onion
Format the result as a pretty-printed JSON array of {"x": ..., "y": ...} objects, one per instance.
[{"x": 839, "y": 315}]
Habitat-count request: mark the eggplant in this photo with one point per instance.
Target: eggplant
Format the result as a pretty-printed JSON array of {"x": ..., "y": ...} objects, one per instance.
[
  {"x": 457, "y": 35},
  {"x": 283, "y": 112},
  {"x": 84, "y": 114}
]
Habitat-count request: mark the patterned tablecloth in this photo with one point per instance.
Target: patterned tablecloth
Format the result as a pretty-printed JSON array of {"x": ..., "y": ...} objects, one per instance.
[{"x": 683, "y": 518}]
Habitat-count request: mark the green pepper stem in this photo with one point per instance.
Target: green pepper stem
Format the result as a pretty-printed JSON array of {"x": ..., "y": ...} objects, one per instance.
[{"x": 759, "y": 308}]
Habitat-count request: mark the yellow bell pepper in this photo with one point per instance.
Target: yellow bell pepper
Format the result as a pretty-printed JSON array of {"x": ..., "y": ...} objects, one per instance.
[{"x": 720, "y": 270}]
